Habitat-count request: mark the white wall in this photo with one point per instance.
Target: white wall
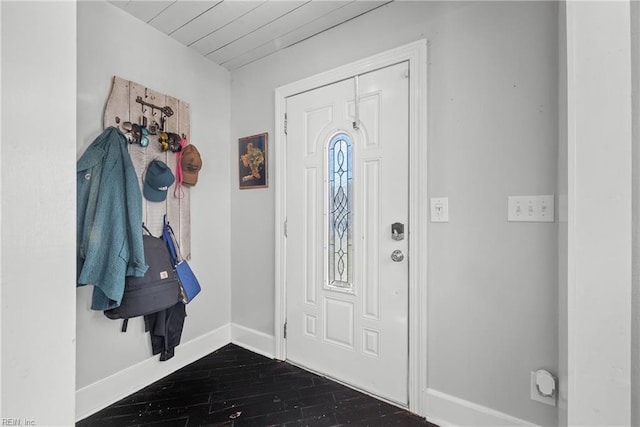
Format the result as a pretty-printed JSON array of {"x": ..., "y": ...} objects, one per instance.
[
  {"x": 111, "y": 42},
  {"x": 600, "y": 213},
  {"x": 38, "y": 212},
  {"x": 493, "y": 132},
  {"x": 635, "y": 114}
]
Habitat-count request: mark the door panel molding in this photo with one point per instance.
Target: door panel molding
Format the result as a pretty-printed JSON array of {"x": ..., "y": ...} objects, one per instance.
[
  {"x": 416, "y": 55},
  {"x": 351, "y": 196}
]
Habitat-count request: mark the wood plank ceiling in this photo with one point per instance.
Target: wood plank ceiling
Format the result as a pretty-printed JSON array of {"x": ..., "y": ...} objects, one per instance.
[{"x": 234, "y": 33}]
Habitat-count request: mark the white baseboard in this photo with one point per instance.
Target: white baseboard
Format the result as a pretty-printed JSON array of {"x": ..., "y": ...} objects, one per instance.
[
  {"x": 99, "y": 395},
  {"x": 448, "y": 411},
  {"x": 253, "y": 340}
]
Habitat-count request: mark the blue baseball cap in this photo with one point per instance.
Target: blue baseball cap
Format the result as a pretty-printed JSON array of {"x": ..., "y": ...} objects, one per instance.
[{"x": 157, "y": 181}]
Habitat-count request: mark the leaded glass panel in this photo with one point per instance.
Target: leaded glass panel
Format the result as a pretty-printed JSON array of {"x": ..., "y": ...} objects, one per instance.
[{"x": 340, "y": 212}]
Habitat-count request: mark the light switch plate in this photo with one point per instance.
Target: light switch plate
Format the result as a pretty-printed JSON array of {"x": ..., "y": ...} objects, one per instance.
[
  {"x": 439, "y": 209},
  {"x": 531, "y": 208}
]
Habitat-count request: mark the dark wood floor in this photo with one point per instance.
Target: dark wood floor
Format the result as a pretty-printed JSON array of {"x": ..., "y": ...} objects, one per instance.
[{"x": 235, "y": 387}]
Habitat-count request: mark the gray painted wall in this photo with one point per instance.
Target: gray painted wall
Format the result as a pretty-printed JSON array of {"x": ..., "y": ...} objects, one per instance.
[
  {"x": 563, "y": 226},
  {"x": 635, "y": 110},
  {"x": 493, "y": 132},
  {"x": 38, "y": 212},
  {"x": 139, "y": 52}
]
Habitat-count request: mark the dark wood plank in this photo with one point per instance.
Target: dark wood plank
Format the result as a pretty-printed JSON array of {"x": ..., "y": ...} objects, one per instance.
[{"x": 235, "y": 387}]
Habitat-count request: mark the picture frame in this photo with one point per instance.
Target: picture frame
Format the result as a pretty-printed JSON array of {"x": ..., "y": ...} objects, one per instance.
[{"x": 252, "y": 161}]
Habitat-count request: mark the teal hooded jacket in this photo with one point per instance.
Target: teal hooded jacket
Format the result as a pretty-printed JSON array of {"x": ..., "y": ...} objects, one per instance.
[{"x": 109, "y": 219}]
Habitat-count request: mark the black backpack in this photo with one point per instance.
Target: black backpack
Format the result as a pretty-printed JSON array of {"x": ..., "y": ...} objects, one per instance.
[{"x": 157, "y": 290}]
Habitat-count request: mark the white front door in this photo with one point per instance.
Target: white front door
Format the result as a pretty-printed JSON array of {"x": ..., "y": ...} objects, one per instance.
[{"x": 347, "y": 183}]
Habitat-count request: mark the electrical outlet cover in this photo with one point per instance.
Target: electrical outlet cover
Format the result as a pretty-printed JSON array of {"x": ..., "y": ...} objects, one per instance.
[{"x": 549, "y": 400}]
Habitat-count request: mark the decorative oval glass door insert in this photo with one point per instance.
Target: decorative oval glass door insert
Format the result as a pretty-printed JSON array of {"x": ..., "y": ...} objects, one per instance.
[{"x": 340, "y": 211}]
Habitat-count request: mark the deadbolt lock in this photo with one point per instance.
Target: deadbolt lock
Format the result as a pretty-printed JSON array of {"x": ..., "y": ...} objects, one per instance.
[{"x": 397, "y": 231}]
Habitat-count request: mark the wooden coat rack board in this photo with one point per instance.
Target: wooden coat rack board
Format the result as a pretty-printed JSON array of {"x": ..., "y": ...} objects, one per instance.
[{"x": 124, "y": 106}]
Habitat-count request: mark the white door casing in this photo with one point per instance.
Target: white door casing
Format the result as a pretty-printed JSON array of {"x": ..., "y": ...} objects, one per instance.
[
  {"x": 416, "y": 56},
  {"x": 347, "y": 308}
]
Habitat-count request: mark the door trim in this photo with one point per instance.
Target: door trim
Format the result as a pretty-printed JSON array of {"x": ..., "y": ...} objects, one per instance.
[{"x": 416, "y": 55}]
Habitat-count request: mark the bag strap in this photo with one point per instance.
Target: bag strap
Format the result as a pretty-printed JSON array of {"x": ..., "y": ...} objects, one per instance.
[
  {"x": 167, "y": 236},
  {"x": 174, "y": 242},
  {"x": 178, "y": 191},
  {"x": 144, "y": 227}
]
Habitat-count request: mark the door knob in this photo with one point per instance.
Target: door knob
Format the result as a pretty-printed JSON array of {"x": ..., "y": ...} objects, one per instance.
[{"x": 397, "y": 255}]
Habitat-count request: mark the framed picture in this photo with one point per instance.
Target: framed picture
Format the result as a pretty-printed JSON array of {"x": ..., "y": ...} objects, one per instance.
[{"x": 253, "y": 161}]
